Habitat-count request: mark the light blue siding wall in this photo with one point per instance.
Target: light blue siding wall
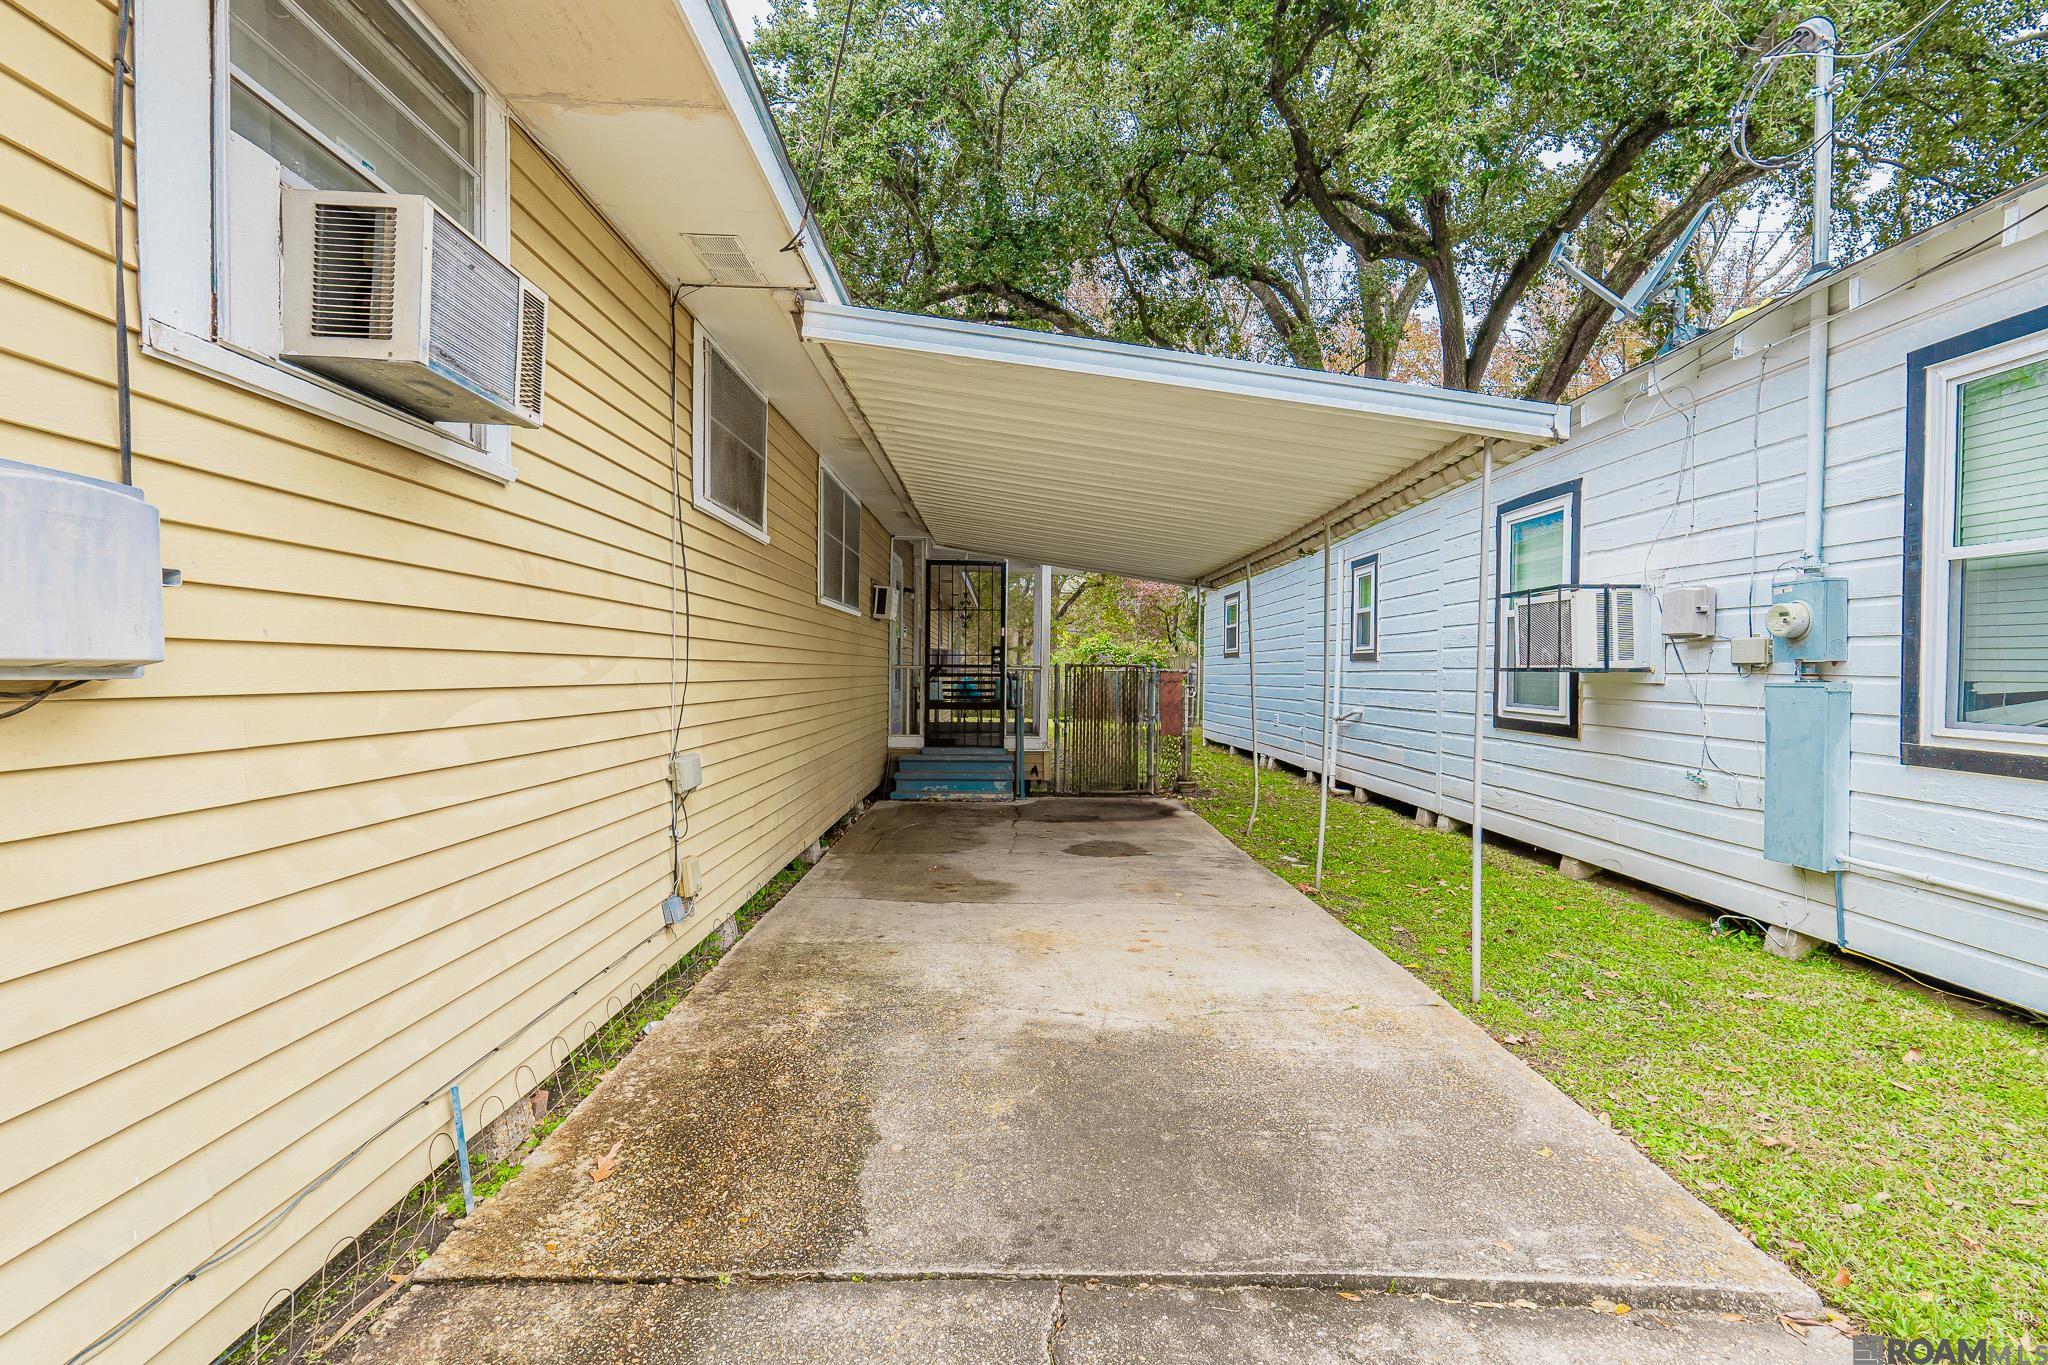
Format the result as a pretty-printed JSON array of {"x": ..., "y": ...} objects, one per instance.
[{"x": 1704, "y": 484}]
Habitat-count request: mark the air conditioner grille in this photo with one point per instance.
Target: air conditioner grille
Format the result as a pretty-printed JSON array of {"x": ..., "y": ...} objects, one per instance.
[
  {"x": 533, "y": 349},
  {"x": 355, "y": 267},
  {"x": 1546, "y": 634},
  {"x": 472, "y": 296}
]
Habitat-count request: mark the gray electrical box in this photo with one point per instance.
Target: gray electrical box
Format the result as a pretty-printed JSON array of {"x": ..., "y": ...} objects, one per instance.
[
  {"x": 1688, "y": 613},
  {"x": 1809, "y": 618},
  {"x": 81, "y": 577},
  {"x": 1806, "y": 773}
]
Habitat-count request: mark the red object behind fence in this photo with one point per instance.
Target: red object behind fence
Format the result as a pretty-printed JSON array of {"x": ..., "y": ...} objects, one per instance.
[{"x": 1173, "y": 704}]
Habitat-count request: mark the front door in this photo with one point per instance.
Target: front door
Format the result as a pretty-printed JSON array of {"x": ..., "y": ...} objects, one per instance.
[{"x": 965, "y": 619}]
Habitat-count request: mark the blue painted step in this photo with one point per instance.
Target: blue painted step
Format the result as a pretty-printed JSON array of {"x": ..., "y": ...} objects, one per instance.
[
  {"x": 923, "y": 786},
  {"x": 954, "y": 774},
  {"x": 990, "y": 767}
]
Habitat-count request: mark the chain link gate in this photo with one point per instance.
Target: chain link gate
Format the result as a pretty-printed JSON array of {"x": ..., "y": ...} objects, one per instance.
[{"x": 1118, "y": 729}]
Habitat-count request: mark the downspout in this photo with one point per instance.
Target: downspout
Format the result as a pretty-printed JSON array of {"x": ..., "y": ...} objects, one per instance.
[
  {"x": 1479, "y": 724},
  {"x": 1251, "y": 659},
  {"x": 1329, "y": 713}
]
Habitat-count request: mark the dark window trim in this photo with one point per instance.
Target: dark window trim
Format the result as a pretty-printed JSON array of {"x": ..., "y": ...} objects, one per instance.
[
  {"x": 1913, "y": 544},
  {"x": 1569, "y": 726},
  {"x": 1372, "y": 561},
  {"x": 1231, "y": 651}
]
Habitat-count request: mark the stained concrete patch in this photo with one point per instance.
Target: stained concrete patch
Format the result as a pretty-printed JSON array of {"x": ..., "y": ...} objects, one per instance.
[
  {"x": 1207, "y": 1082},
  {"x": 736, "y": 1146},
  {"x": 1101, "y": 810},
  {"x": 1116, "y": 1325},
  {"x": 1106, "y": 848},
  {"x": 695, "y": 1324}
]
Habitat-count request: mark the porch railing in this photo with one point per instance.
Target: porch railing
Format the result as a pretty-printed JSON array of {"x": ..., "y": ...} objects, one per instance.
[{"x": 907, "y": 701}]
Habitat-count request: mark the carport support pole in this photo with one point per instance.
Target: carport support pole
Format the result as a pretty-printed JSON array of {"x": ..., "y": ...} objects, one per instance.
[
  {"x": 1479, "y": 722},
  {"x": 1329, "y": 713},
  {"x": 1251, "y": 659}
]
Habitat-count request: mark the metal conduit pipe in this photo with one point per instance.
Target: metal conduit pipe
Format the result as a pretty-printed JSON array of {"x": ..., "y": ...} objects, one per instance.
[
  {"x": 1818, "y": 324},
  {"x": 1251, "y": 659},
  {"x": 1329, "y": 713},
  {"x": 1479, "y": 725}
]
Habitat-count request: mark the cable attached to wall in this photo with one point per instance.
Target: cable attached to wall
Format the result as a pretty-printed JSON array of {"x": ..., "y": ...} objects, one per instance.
[
  {"x": 678, "y": 605},
  {"x": 124, "y": 70}
]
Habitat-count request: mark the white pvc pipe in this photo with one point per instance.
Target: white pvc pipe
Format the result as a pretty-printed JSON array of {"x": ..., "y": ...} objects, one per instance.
[
  {"x": 1479, "y": 723},
  {"x": 1251, "y": 659},
  {"x": 1330, "y": 684}
]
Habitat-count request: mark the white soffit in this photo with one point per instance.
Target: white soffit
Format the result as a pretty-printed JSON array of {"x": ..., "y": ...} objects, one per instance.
[
  {"x": 1093, "y": 455},
  {"x": 650, "y": 107}
]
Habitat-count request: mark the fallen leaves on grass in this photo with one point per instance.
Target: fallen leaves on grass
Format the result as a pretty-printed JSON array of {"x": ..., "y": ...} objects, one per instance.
[{"x": 1842, "y": 1277}]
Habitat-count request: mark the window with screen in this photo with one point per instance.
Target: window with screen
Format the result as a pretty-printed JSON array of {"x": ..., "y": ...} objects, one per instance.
[
  {"x": 731, "y": 474},
  {"x": 1537, "y": 548},
  {"x": 1364, "y": 606},
  {"x": 838, "y": 543},
  {"x": 1230, "y": 625},
  {"x": 353, "y": 95}
]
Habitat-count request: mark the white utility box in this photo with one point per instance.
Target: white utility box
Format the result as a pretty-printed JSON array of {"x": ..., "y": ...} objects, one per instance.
[
  {"x": 1688, "y": 612},
  {"x": 81, "y": 577}
]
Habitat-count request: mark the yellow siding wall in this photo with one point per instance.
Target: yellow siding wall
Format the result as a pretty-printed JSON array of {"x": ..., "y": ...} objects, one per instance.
[{"x": 400, "y": 781}]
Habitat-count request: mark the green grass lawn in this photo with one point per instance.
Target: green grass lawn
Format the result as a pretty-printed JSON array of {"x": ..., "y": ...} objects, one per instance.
[{"x": 1890, "y": 1145}]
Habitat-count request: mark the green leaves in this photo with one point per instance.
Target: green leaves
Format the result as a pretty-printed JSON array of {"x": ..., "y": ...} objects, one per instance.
[{"x": 1366, "y": 185}]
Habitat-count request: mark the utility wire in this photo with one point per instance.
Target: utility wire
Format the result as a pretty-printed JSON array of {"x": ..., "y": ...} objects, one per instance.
[
  {"x": 1899, "y": 49},
  {"x": 124, "y": 31},
  {"x": 36, "y": 699},
  {"x": 825, "y": 123}
]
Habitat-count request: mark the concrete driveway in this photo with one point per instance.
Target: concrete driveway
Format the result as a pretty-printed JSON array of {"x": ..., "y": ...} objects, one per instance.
[{"x": 1077, "y": 1080}]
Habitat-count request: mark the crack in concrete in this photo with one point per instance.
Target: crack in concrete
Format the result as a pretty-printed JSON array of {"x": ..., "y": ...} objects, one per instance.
[{"x": 1057, "y": 1323}]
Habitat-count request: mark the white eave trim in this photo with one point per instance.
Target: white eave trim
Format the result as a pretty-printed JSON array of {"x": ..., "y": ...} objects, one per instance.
[
  {"x": 725, "y": 52},
  {"x": 1474, "y": 413}
]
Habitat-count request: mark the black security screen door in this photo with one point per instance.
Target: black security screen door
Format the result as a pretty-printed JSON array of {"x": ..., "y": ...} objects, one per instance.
[{"x": 963, "y": 653}]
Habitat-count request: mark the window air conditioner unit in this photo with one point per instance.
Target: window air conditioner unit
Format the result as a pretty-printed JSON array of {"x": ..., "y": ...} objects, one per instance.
[
  {"x": 881, "y": 602},
  {"x": 1580, "y": 628},
  {"x": 388, "y": 295}
]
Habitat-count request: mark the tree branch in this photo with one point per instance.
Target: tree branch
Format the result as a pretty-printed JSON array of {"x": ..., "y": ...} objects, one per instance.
[
  {"x": 1575, "y": 340},
  {"x": 1021, "y": 304},
  {"x": 1620, "y": 157}
]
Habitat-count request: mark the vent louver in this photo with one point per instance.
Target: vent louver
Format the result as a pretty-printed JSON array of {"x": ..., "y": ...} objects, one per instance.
[
  {"x": 355, "y": 265},
  {"x": 533, "y": 350},
  {"x": 473, "y": 313},
  {"x": 725, "y": 256}
]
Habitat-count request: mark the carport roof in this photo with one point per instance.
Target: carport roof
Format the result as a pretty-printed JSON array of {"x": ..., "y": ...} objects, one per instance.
[{"x": 1093, "y": 455}]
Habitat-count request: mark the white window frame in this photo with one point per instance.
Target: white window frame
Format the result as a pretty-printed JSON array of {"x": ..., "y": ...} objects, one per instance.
[
  {"x": 1233, "y": 631},
  {"x": 700, "y": 438},
  {"x": 1366, "y": 567},
  {"x": 1940, "y": 553},
  {"x": 1504, "y": 708},
  {"x": 855, "y": 607},
  {"x": 186, "y": 248}
]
